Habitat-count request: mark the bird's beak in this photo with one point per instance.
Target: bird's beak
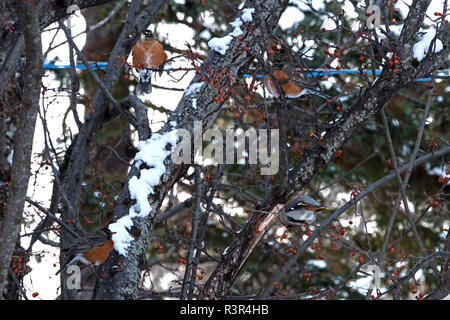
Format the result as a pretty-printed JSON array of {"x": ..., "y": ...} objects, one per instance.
[
  {"x": 323, "y": 208},
  {"x": 113, "y": 232}
]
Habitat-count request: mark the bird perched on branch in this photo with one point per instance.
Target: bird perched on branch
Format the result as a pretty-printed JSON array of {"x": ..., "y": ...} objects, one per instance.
[
  {"x": 93, "y": 249},
  {"x": 289, "y": 84},
  {"x": 148, "y": 55},
  {"x": 300, "y": 211}
]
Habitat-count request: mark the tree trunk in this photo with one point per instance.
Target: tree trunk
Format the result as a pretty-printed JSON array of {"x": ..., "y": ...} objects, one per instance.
[{"x": 23, "y": 144}]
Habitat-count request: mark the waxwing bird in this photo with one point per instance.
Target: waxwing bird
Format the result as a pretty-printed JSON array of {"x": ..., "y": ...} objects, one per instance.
[
  {"x": 148, "y": 55},
  {"x": 300, "y": 211},
  {"x": 93, "y": 249},
  {"x": 289, "y": 84}
]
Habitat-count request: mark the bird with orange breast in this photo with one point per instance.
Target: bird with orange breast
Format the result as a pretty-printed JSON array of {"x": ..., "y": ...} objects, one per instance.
[
  {"x": 148, "y": 55},
  {"x": 93, "y": 249},
  {"x": 289, "y": 84}
]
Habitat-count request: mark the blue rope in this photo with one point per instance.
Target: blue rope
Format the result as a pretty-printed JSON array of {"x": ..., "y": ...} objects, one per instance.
[
  {"x": 334, "y": 72},
  {"x": 103, "y": 65},
  {"x": 95, "y": 66}
]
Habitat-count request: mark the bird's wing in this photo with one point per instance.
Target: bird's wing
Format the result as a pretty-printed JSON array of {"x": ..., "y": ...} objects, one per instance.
[
  {"x": 308, "y": 200},
  {"x": 85, "y": 244},
  {"x": 292, "y": 205},
  {"x": 309, "y": 89},
  {"x": 300, "y": 216},
  {"x": 156, "y": 51}
]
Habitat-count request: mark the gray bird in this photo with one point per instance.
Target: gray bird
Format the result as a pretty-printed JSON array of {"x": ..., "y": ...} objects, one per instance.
[{"x": 300, "y": 211}]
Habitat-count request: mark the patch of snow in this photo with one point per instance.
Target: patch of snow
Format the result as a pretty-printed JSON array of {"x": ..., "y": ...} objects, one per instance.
[
  {"x": 10, "y": 157},
  {"x": 247, "y": 14},
  {"x": 193, "y": 88},
  {"x": 152, "y": 152},
  {"x": 317, "y": 263},
  {"x": 122, "y": 237},
  {"x": 420, "y": 49},
  {"x": 221, "y": 45}
]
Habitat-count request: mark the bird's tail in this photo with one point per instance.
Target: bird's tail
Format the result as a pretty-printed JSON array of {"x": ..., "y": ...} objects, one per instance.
[
  {"x": 64, "y": 266},
  {"x": 145, "y": 81},
  {"x": 315, "y": 93}
]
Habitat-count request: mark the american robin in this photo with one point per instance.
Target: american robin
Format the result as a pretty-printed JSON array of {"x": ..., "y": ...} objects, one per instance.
[
  {"x": 289, "y": 84},
  {"x": 148, "y": 54},
  {"x": 301, "y": 210},
  {"x": 93, "y": 249},
  {"x": 289, "y": 87}
]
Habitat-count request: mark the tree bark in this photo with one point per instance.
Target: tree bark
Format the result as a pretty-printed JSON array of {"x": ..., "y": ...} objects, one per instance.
[{"x": 23, "y": 143}]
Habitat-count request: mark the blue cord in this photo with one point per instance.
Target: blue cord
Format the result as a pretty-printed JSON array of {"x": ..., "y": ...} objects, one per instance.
[
  {"x": 334, "y": 72},
  {"x": 95, "y": 66},
  {"x": 103, "y": 65}
]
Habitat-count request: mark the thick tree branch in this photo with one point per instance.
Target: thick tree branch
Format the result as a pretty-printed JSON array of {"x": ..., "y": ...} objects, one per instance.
[{"x": 23, "y": 143}]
